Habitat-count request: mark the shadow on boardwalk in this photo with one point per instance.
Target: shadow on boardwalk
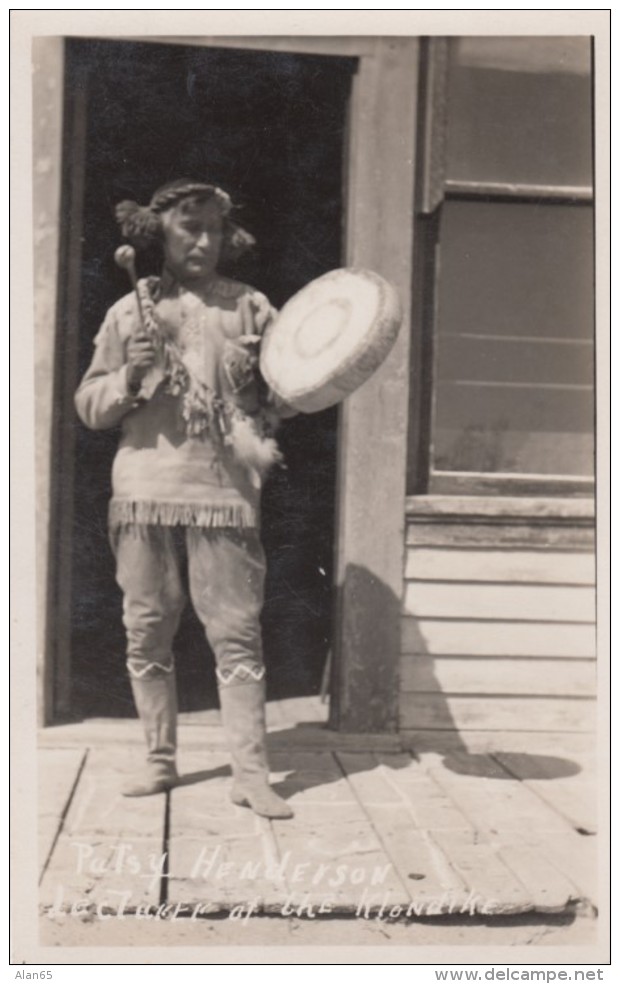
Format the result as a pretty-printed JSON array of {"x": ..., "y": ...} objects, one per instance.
[{"x": 421, "y": 824}]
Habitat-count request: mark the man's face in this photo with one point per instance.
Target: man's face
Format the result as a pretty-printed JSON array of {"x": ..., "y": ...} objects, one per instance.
[{"x": 192, "y": 239}]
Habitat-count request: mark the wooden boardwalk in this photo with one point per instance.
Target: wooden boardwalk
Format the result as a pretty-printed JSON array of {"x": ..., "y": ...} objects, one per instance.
[{"x": 432, "y": 824}]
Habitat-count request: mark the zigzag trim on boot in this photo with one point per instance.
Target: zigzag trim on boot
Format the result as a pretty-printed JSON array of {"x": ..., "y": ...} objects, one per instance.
[
  {"x": 245, "y": 672},
  {"x": 138, "y": 674}
]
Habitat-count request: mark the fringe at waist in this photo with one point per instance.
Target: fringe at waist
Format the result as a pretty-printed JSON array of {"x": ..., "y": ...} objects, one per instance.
[{"x": 124, "y": 512}]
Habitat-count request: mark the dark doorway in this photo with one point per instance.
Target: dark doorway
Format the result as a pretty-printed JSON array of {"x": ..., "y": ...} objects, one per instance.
[{"x": 270, "y": 128}]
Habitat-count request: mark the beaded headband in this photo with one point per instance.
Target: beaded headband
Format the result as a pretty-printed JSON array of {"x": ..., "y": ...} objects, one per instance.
[{"x": 141, "y": 224}]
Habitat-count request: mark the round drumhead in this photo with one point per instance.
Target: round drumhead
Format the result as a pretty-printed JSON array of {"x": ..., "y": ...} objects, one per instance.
[{"x": 329, "y": 338}]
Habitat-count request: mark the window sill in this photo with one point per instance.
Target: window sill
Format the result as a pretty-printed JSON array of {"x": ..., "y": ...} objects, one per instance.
[
  {"x": 539, "y": 486},
  {"x": 488, "y": 509}
]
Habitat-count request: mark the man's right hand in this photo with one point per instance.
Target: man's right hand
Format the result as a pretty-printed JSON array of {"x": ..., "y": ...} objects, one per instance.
[{"x": 141, "y": 356}]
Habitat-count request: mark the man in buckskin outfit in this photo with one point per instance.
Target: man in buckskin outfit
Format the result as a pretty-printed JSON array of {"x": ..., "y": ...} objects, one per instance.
[{"x": 175, "y": 365}]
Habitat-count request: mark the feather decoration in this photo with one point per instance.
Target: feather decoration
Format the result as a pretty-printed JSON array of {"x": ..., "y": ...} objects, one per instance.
[{"x": 252, "y": 447}]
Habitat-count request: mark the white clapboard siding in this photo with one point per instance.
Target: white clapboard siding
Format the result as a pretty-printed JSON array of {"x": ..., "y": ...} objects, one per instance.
[
  {"x": 542, "y": 677},
  {"x": 502, "y": 638},
  {"x": 533, "y": 602},
  {"x": 510, "y": 566},
  {"x": 498, "y": 637},
  {"x": 495, "y": 713}
]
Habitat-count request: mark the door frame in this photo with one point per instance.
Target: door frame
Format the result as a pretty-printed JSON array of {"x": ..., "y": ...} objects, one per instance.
[
  {"x": 371, "y": 473},
  {"x": 371, "y": 479}
]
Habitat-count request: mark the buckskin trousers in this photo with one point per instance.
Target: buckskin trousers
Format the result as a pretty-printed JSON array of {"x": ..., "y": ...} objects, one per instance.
[{"x": 226, "y": 575}]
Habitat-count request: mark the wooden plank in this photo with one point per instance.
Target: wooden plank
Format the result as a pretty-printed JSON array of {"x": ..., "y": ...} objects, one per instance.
[
  {"x": 341, "y": 866},
  {"x": 98, "y": 874},
  {"x": 574, "y": 856},
  {"x": 477, "y": 534},
  {"x": 326, "y": 810},
  {"x": 568, "y": 603},
  {"x": 217, "y": 851},
  {"x": 573, "y": 794},
  {"x": 430, "y": 807},
  {"x": 548, "y": 888},
  {"x": 431, "y": 711},
  {"x": 58, "y": 770},
  {"x": 528, "y": 509},
  {"x": 110, "y": 851},
  {"x": 374, "y": 420},
  {"x": 492, "y": 888},
  {"x": 425, "y": 873},
  {"x": 489, "y": 675},
  {"x": 330, "y": 851},
  {"x": 512, "y": 818},
  {"x": 452, "y": 868},
  {"x": 433, "y": 884},
  {"x": 369, "y": 779},
  {"x": 99, "y": 808},
  {"x": 310, "y": 777},
  {"x": 513, "y": 566},
  {"x": 216, "y": 874},
  {"x": 509, "y": 805},
  {"x": 453, "y": 637}
]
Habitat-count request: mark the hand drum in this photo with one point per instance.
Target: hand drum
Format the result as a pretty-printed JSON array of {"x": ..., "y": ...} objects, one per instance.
[{"x": 329, "y": 338}]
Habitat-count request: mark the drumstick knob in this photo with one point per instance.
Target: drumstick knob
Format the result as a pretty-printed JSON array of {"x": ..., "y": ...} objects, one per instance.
[{"x": 125, "y": 257}]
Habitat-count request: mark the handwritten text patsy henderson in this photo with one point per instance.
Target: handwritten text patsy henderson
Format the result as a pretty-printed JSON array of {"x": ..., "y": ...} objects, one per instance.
[
  {"x": 303, "y": 888},
  {"x": 210, "y": 865}
]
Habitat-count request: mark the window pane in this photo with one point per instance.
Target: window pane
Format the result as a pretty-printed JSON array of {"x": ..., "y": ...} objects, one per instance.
[
  {"x": 519, "y": 111},
  {"x": 514, "y": 343}
]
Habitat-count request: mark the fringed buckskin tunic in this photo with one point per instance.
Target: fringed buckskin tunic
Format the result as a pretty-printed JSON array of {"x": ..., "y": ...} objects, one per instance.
[{"x": 162, "y": 475}]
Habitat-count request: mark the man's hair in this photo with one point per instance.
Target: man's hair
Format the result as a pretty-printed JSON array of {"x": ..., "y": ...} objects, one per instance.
[{"x": 142, "y": 226}]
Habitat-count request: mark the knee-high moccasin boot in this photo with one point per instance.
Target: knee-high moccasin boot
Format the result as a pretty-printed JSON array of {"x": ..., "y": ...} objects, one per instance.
[
  {"x": 156, "y": 702},
  {"x": 243, "y": 717}
]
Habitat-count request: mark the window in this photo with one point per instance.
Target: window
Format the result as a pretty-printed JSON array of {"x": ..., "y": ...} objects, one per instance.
[{"x": 506, "y": 229}]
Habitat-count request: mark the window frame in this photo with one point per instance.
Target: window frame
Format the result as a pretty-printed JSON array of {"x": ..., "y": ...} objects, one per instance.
[{"x": 434, "y": 188}]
